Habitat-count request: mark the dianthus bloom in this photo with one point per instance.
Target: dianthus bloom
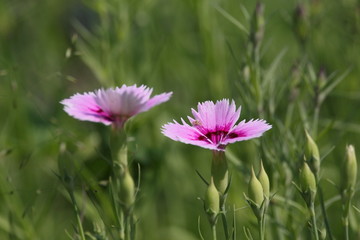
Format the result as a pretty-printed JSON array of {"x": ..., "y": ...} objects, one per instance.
[
  {"x": 114, "y": 105},
  {"x": 213, "y": 126}
]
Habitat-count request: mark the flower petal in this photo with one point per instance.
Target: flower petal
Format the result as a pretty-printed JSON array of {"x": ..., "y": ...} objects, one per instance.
[
  {"x": 113, "y": 105},
  {"x": 213, "y": 126},
  {"x": 220, "y": 116},
  {"x": 246, "y": 130},
  {"x": 226, "y": 115},
  {"x": 120, "y": 101},
  {"x": 85, "y": 108},
  {"x": 187, "y": 134},
  {"x": 156, "y": 100},
  {"x": 206, "y": 115}
]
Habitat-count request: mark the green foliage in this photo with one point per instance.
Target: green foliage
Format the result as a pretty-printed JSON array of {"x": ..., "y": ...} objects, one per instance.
[{"x": 295, "y": 65}]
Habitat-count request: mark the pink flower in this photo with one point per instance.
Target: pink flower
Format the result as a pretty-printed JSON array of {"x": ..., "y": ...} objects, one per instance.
[
  {"x": 114, "y": 105},
  {"x": 213, "y": 126}
]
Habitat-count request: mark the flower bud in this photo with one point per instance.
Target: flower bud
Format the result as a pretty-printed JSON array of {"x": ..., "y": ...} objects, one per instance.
[
  {"x": 127, "y": 189},
  {"x": 246, "y": 73},
  {"x": 212, "y": 199},
  {"x": 322, "y": 78},
  {"x": 307, "y": 179},
  {"x": 255, "y": 190},
  {"x": 219, "y": 171},
  {"x": 307, "y": 184},
  {"x": 301, "y": 24},
  {"x": 257, "y": 25},
  {"x": 122, "y": 156},
  {"x": 264, "y": 180},
  {"x": 349, "y": 169},
  {"x": 322, "y": 233},
  {"x": 312, "y": 154}
]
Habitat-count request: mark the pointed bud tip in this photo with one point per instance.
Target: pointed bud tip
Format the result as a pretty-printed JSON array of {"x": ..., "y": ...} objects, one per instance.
[
  {"x": 255, "y": 189},
  {"x": 264, "y": 180},
  {"x": 349, "y": 168},
  {"x": 312, "y": 153},
  {"x": 253, "y": 172}
]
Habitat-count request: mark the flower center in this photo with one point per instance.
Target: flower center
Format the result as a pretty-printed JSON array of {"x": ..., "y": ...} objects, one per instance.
[{"x": 217, "y": 137}]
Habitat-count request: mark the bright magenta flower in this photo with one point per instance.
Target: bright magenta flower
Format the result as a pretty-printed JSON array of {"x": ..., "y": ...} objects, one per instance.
[
  {"x": 114, "y": 105},
  {"x": 213, "y": 126}
]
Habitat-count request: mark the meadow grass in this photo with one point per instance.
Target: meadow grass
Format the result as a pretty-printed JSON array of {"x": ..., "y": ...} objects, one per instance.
[{"x": 296, "y": 65}]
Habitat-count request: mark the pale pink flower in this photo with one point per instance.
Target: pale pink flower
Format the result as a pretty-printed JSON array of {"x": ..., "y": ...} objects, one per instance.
[
  {"x": 213, "y": 126},
  {"x": 114, "y": 105}
]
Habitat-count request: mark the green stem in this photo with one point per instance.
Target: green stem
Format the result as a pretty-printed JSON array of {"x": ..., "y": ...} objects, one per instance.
[
  {"x": 346, "y": 195},
  {"x": 263, "y": 217},
  {"x": 261, "y": 228},
  {"x": 121, "y": 226},
  {"x": 323, "y": 210},
  {"x": 119, "y": 216},
  {"x": 346, "y": 223},
  {"x": 316, "y": 114},
  {"x": 82, "y": 235},
  {"x": 127, "y": 228},
  {"x": 223, "y": 215},
  {"x": 313, "y": 220},
  {"x": 213, "y": 229},
  {"x": 78, "y": 219}
]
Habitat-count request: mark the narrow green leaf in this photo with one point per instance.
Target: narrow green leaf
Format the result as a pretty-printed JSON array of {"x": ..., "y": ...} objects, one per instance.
[
  {"x": 269, "y": 75},
  {"x": 332, "y": 85},
  {"x": 231, "y": 19}
]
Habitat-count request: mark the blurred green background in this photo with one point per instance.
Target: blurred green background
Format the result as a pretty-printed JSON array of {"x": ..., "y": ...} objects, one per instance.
[{"x": 199, "y": 49}]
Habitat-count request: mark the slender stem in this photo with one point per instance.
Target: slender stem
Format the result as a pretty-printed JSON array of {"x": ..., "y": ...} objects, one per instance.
[
  {"x": 323, "y": 210},
  {"x": 316, "y": 119},
  {"x": 263, "y": 217},
  {"x": 346, "y": 223},
  {"x": 121, "y": 227},
  {"x": 128, "y": 231},
  {"x": 82, "y": 235},
  {"x": 261, "y": 228},
  {"x": 223, "y": 215},
  {"x": 78, "y": 219},
  {"x": 129, "y": 224},
  {"x": 313, "y": 220},
  {"x": 132, "y": 227},
  {"x": 213, "y": 229},
  {"x": 346, "y": 195},
  {"x": 127, "y": 227},
  {"x": 119, "y": 216}
]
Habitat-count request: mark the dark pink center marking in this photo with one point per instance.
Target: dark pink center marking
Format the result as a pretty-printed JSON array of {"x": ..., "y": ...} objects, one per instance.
[{"x": 218, "y": 136}]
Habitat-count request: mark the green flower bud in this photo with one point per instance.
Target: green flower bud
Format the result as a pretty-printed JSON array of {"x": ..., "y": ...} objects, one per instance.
[
  {"x": 212, "y": 199},
  {"x": 322, "y": 78},
  {"x": 307, "y": 179},
  {"x": 301, "y": 22},
  {"x": 122, "y": 156},
  {"x": 323, "y": 233},
  {"x": 257, "y": 25},
  {"x": 264, "y": 180},
  {"x": 246, "y": 73},
  {"x": 312, "y": 154},
  {"x": 307, "y": 184},
  {"x": 219, "y": 171},
  {"x": 349, "y": 169},
  {"x": 255, "y": 190},
  {"x": 127, "y": 189}
]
